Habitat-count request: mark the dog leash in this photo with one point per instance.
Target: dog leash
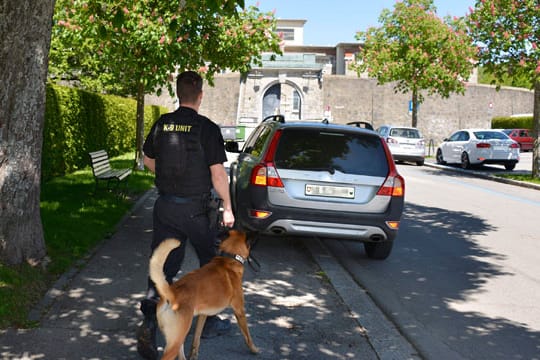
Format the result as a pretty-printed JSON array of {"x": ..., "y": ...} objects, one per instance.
[{"x": 251, "y": 260}]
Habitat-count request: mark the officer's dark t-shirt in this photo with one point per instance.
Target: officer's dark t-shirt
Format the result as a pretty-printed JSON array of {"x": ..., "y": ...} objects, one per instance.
[{"x": 184, "y": 145}]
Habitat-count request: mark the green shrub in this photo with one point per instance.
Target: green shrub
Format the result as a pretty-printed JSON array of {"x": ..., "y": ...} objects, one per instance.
[
  {"x": 78, "y": 121},
  {"x": 511, "y": 122}
]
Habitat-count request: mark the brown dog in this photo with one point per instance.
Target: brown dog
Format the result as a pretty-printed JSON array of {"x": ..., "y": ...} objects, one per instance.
[{"x": 203, "y": 292}]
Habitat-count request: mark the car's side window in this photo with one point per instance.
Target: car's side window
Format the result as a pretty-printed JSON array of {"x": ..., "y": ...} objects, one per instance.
[
  {"x": 454, "y": 137},
  {"x": 248, "y": 146},
  {"x": 258, "y": 146}
]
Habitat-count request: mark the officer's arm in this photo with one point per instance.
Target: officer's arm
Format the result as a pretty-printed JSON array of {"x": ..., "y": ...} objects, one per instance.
[
  {"x": 150, "y": 163},
  {"x": 220, "y": 182}
]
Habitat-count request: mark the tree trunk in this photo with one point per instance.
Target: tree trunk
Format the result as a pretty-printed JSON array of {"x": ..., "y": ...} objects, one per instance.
[
  {"x": 414, "y": 122},
  {"x": 25, "y": 30},
  {"x": 536, "y": 130},
  {"x": 139, "y": 164}
]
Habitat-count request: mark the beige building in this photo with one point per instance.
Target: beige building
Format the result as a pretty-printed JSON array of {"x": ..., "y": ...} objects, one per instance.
[{"x": 314, "y": 82}]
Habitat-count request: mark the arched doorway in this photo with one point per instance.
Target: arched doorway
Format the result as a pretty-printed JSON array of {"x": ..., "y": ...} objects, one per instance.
[
  {"x": 272, "y": 100},
  {"x": 282, "y": 98}
]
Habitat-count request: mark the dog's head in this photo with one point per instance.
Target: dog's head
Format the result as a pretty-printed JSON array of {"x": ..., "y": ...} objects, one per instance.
[{"x": 236, "y": 242}]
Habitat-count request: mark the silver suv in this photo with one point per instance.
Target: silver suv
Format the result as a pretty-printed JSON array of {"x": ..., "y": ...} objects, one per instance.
[{"x": 318, "y": 179}]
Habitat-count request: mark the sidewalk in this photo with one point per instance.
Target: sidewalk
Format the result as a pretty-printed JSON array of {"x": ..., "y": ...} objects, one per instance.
[{"x": 294, "y": 310}]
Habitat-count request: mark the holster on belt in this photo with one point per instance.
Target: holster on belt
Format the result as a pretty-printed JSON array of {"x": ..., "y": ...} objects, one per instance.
[{"x": 214, "y": 210}]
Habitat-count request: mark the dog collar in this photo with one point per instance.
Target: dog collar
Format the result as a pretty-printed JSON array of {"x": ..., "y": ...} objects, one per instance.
[{"x": 236, "y": 257}]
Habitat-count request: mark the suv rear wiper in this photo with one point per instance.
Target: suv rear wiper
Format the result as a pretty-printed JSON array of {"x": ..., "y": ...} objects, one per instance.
[{"x": 330, "y": 169}]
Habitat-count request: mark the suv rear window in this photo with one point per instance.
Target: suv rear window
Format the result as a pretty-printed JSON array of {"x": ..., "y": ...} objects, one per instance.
[
  {"x": 317, "y": 149},
  {"x": 406, "y": 133}
]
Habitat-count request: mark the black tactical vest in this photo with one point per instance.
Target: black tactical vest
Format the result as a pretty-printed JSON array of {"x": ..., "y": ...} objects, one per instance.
[{"x": 181, "y": 167}]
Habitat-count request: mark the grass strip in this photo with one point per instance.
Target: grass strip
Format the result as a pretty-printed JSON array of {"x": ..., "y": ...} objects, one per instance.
[{"x": 76, "y": 217}]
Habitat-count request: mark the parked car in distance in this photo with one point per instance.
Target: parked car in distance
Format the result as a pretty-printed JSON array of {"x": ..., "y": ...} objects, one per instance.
[
  {"x": 522, "y": 136},
  {"x": 318, "y": 179},
  {"x": 470, "y": 147},
  {"x": 405, "y": 143}
]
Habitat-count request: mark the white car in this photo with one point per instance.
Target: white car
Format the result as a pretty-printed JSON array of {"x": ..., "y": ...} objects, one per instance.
[
  {"x": 405, "y": 143},
  {"x": 470, "y": 147}
]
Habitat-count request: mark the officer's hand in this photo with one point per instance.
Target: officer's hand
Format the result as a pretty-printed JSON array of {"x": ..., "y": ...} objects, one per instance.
[{"x": 228, "y": 218}]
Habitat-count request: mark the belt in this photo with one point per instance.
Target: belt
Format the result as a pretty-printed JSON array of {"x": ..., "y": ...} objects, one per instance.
[{"x": 179, "y": 199}]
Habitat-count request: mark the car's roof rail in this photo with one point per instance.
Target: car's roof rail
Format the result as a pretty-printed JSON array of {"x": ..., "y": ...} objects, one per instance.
[
  {"x": 278, "y": 118},
  {"x": 361, "y": 124}
]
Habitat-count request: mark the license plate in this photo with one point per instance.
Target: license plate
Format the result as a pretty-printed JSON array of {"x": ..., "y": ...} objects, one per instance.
[
  {"x": 500, "y": 147},
  {"x": 330, "y": 191}
]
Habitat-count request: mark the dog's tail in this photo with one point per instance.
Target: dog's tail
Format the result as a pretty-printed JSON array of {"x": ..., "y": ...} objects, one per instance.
[{"x": 156, "y": 268}]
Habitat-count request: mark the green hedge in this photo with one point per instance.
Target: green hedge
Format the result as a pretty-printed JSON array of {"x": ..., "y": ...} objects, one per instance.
[
  {"x": 78, "y": 122},
  {"x": 507, "y": 122}
]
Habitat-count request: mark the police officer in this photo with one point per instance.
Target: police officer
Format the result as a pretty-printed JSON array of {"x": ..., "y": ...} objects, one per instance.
[{"x": 186, "y": 152}]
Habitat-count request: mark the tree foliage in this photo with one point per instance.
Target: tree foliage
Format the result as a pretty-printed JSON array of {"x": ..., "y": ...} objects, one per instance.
[
  {"x": 133, "y": 47},
  {"x": 514, "y": 80},
  {"x": 418, "y": 50},
  {"x": 508, "y": 38}
]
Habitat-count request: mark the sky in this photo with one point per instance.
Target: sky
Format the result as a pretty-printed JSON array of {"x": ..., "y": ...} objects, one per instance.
[{"x": 330, "y": 22}]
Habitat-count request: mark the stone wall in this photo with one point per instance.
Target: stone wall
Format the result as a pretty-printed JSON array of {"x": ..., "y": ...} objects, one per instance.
[
  {"x": 357, "y": 99},
  {"x": 353, "y": 99},
  {"x": 220, "y": 102}
]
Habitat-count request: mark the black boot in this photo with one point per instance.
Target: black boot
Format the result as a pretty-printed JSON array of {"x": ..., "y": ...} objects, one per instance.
[{"x": 146, "y": 333}]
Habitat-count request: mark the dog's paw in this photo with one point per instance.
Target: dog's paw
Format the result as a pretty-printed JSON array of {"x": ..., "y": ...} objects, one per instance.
[{"x": 254, "y": 349}]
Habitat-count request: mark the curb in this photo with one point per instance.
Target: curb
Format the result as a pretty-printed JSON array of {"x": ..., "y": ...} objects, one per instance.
[
  {"x": 65, "y": 279},
  {"x": 484, "y": 176},
  {"x": 384, "y": 337}
]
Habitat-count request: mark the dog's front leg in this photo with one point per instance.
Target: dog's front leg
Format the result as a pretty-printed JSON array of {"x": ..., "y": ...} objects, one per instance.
[
  {"x": 240, "y": 314},
  {"x": 194, "y": 353}
]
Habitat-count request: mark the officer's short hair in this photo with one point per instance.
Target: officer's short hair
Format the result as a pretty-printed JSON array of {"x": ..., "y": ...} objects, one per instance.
[{"x": 188, "y": 86}]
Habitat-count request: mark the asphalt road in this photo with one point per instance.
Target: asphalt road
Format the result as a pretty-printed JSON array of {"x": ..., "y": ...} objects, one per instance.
[{"x": 463, "y": 281}]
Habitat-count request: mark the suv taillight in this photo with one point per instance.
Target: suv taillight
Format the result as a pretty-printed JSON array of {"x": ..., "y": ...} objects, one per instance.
[
  {"x": 265, "y": 173},
  {"x": 393, "y": 186}
]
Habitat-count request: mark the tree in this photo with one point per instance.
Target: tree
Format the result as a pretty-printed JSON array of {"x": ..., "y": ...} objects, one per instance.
[
  {"x": 507, "y": 34},
  {"x": 25, "y": 29},
  {"x": 418, "y": 50},
  {"x": 25, "y": 33},
  {"x": 133, "y": 47}
]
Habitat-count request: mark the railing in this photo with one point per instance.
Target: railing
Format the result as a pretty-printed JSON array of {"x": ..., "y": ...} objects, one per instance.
[{"x": 431, "y": 146}]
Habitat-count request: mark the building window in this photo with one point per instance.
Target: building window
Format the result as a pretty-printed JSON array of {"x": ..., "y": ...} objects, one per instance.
[
  {"x": 296, "y": 102},
  {"x": 288, "y": 34}
]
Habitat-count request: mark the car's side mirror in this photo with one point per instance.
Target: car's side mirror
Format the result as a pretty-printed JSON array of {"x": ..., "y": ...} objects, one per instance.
[{"x": 232, "y": 146}]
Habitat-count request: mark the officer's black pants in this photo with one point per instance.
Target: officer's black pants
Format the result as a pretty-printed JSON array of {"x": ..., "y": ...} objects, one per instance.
[{"x": 182, "y": 221}]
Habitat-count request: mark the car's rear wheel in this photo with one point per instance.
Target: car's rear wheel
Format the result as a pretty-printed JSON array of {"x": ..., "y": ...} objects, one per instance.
[
  {"x": 510, "y": 166},
  {"x": 378, "y": 250},
  {"x": 420, "y": 162},
  {"x": 439, "y": 157},
  {"x": 465, "y": 162}
]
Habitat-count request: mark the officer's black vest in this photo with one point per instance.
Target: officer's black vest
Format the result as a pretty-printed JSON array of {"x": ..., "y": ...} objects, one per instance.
[{"x": 181, "y": 167}]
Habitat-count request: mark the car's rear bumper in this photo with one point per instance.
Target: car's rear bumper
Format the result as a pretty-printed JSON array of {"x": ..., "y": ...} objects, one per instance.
[
  {"x": 326, "y": 229},
  {"x": 499, "y": 161},
  {"x": 407, "y": 157},
  {"x": 309, "y": 222}
]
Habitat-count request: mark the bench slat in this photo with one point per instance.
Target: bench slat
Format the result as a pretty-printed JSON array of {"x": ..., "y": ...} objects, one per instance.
[{"x": 102, "y": 170}]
